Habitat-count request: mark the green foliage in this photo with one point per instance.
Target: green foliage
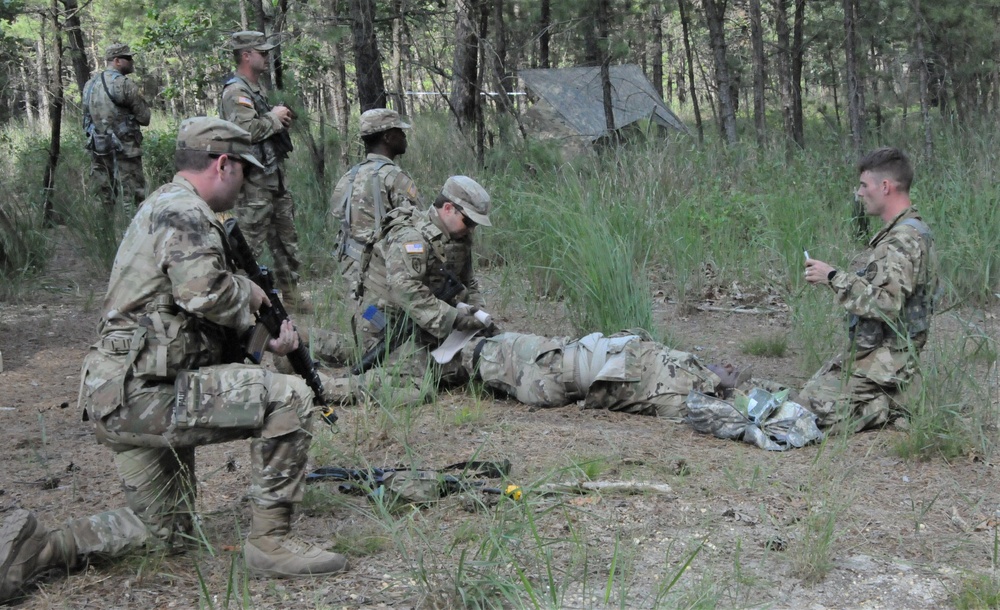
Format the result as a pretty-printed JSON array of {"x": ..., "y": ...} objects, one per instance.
[
  {"x": 978, "y": 592},
  {"x": 769, "y": 346}
]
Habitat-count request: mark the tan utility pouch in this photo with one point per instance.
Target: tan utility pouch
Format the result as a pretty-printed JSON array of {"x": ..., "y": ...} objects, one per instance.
[
  {"x": 220, "y": 397},
  {"x": 173, "y": 341},
  {"x": 102, "y": 384}
]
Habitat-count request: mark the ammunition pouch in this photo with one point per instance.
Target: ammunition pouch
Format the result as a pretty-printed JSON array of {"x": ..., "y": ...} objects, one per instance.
[
  {"x": 865, "y": 333},
  {"x": 103, "y": 144},
  {"x": 174, "y": 341}
]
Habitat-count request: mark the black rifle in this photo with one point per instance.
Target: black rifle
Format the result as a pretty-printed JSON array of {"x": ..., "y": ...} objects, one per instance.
[
  {"x": 401, "y": 327},
  {"x": 282, "y": 140},
  {"x": 270, "y": 318},
  {"x": 370, "y": 479}
]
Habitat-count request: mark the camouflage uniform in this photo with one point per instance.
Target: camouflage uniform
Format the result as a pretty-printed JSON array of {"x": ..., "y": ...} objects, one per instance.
[
  {"x": 156, "y": 386},
  {"x": 365, "y": 194},
  {"x": 113, "y": 110},
  {"x": 620, "y": 373},
  {"x": 890, "y": 302},
  {"x": 376, "y": 184},
  {"x": 413, "y": 260},
  {"x": 266, "y": 212}
]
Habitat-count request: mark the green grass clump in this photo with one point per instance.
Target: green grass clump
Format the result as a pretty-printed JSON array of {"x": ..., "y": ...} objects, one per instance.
[
  {"x": 978, "y": 592},
  {"x": 768, "y": 346}
]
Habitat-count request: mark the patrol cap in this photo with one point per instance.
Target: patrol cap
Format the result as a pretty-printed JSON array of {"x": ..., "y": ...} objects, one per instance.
[
  {"x": 118, "y": 49},
  {"x": 250, "y": 39},
  {"x": 216, "y": 136},
  {"x": 380, "y": 119},
  {"x": 470, "y": 196}
]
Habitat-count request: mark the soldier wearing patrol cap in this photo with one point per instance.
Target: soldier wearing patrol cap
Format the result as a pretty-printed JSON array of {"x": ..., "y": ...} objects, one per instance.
[
  {"x": 418, "y": 252},
  {"x": 363, "y": 196},
  {"x": 155, "y": 385},
  {"x": 265, "y": 211},
  {"x": 370, "y": 190},
  {"x": 113, "y": 111}
]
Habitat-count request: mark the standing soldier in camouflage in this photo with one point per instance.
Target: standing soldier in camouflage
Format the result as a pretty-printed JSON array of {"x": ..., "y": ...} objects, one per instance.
[
  {"x": 113, "y": 110},
  {"x": 370, "y": 190},
  {"x": 421, "y": 255},
  {"x": 889, "y": 300},
  {"x": 266, "y": 212},
  {"x": 156, "y": 385}
]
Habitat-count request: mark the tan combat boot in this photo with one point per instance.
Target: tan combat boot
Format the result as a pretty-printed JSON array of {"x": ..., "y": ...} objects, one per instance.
[
  {"x": 27, "y": 550},
  {"x": 271, "y": 551}
]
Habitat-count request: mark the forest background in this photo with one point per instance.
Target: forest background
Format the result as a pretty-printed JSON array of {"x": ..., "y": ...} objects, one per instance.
[{"x": 781, "y": 98}]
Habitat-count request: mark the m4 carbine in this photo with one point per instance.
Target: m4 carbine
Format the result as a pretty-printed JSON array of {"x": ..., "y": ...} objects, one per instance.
[{"x": 270, "y": 318}]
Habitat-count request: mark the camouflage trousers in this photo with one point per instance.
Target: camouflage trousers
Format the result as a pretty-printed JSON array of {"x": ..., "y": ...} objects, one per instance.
[
  {"x": 648, "y": 378},
  {"x": 408, "y": 376},
  {"x": 267, "y": 215},
  {"x": 862, "y": 393},
  {"x": 155, "y": 433},
  {"x": 115, "y": 179}
]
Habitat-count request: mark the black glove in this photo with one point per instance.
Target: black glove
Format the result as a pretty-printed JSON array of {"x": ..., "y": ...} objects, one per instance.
[
  {"x": 492, "y": 330},
  {"x": 467, "y": 321}
]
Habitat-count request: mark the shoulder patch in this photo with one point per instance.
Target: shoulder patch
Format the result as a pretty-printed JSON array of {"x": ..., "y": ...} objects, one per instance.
[
  {"x": 414, "y": 247},
  {"x": 244, "y": 101}
]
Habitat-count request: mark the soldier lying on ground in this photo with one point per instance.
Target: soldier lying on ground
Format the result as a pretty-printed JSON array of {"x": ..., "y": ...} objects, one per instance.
[{"x": 624, "y": 372}]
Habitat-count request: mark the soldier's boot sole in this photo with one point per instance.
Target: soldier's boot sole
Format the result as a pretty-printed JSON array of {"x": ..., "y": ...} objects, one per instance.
[{"x": 15, "y": 534}]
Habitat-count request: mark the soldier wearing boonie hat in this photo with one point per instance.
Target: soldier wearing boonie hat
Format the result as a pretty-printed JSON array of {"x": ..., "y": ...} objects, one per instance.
[
  {"x": 266, "y": 211},
  {"x": 113, "y": 111},
  {"x": 369, "y": 191}
]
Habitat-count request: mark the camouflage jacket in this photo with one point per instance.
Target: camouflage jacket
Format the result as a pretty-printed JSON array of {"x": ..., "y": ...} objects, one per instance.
[
  {"x": 410, "y": 262},
  {"x": 120, "y": 109},
  {"x": 172, "y": 293},
  {"x": 245, "y": 104},
  {"x": 376, "y": 185},
  {"x": 890, "y": 298}
]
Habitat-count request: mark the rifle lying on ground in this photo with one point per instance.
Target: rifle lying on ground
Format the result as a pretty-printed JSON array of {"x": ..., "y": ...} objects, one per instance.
[
  {"x": 401, "y": 329},
  {"x": 270, "y": 318},
  {"x": 408, "y": 485}
]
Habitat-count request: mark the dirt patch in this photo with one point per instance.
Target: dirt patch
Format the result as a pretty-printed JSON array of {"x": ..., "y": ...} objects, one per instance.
[{"x": 751, "y": 526}]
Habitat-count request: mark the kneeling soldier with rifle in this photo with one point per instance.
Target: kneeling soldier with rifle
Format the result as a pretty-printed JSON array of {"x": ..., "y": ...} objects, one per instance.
[
  {"x": 420, "y": 269},
  {"x": 163, "y": 380}
]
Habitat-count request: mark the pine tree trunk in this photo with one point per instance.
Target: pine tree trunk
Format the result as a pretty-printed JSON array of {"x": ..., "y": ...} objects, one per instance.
[
  {"x": 715, "y": 12},
  {"x": 759, "y": 76},
  {"x": 855, "y": 95},
  {"x": 78, "y": 48},
  {"x": 399, "y": 92},
  {"x": 784, "y": 36},
  {"x": 465, "y": 67},
  {"x": 798, "y": 132},
  {"x": 367, "y": 64},
  {"x": 55, "y": 118},
  {"x": 686, "y": 30},
  {"x": 544, "y": 23},
  {"x": 656, "y": 50},
  {"x": 925, "y": 111}
]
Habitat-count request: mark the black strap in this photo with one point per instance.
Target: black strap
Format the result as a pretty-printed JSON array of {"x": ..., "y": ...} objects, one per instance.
[
  {"x": 110, "y": 97},
  {"x": 475, "y": 358}
]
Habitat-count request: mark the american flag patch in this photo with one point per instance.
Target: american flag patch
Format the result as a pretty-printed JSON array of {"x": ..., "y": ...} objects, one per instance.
[
  {"x": 414, "y": 248},
  {"x": 244, "y": 101}
]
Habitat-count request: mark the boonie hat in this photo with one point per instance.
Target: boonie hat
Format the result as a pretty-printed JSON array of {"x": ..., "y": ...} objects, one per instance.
[
  {"x": 465, "y": 192},
  {"x": 250, "y": 39},
  {"x": 216, "y": 136},
  {"x": 380, "y": 119},
  {"x": 117, "y": 50}
]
